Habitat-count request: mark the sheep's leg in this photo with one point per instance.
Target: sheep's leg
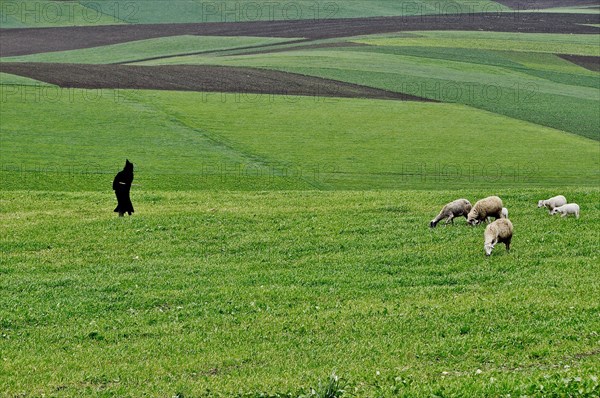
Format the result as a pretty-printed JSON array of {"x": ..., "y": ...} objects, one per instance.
[
  {"x": 508, "y": 246},
  {"x": 450, "y": 219},
  {"x": 577, "y": 215},
  {"x": 563, "y": 215}
]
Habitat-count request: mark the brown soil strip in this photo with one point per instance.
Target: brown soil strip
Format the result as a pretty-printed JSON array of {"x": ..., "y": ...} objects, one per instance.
[
  {"x": 195, "y": 78},
  {"x": 541, "y": 4},
  {"x": 586, "y": 61},
  {"x": 24, "y": 41}
]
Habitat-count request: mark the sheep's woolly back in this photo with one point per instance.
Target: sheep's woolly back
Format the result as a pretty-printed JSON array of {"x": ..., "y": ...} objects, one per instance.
[
  {"x": 498, "y": 231},
  {"x": 457, "y": 207},
  {"x": 490, "y": 206},
  {"x": 553, "y": 202}
]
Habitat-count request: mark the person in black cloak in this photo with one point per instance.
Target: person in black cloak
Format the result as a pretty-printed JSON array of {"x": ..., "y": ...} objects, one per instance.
[{"x": 121, "y": 186}]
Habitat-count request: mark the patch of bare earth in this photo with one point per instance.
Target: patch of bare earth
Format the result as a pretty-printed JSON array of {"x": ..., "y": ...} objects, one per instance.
[
  {"x": 37, "y": 40},
  {"x": 195, "y": 78},
  {"x": 588, "y": 62}
]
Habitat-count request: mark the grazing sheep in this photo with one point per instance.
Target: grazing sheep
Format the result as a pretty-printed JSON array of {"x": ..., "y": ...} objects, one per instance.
[
  {"x": 565, "y": 210},
  {"x": 500, "y": 231},
  {"x": 458, "y": 208},
  {"x": 553, "y": 202},
  {"x": 484, "y": 208},
  {"x": 504, "y": 213}
]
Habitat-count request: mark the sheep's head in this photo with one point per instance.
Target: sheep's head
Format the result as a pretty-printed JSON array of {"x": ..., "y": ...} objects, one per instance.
[
  {"x": 488, "y": 248},
  {"x": 471, "y": 220},
  {"x": 540, "y": 203},
  {"x": 472, "y": 217},
  {"x": 554, "y": 211}
]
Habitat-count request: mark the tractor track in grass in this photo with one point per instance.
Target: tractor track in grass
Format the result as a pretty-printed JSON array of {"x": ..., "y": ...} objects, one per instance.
[
  {"x": 24, "y": 41},
  {"x": 251, "y": 49},
  {"x": 201, "y": 78}
]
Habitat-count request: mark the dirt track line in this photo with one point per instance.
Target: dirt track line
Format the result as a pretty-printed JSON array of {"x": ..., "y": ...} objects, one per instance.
[
  {"x": 200, "y": 78},
  {"x": 260, "y": 49},
  {"x": 258, "y": 46}
]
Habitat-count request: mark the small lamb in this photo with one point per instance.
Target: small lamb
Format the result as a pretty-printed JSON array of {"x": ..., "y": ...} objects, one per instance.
[
  {"x": 484, "y": 208},
  {"x": 500, "y": 231},
  {"x": 565, "y": 210},
  {"x": 553, "y": 202},
  {"x": 457, "y": 208}
]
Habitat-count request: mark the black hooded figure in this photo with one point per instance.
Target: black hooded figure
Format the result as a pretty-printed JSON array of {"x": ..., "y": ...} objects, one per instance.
[{"x": 121, "y": 186}]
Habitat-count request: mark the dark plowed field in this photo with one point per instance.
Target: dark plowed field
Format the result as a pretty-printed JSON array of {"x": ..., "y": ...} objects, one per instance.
[
  {"x": 37, "y": 40},
  {"x": 588, "y": 62},
  {"x": 541, "y": 4},
  {"x": 195, "y": 78}
]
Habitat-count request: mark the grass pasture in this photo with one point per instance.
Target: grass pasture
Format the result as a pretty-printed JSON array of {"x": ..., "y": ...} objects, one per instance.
[
  {"x": 218, "y": 294},
  {"x": 228, "y": 283},
  {"x": 280, "y": 245},
  {"x": 228, "y": 141}
]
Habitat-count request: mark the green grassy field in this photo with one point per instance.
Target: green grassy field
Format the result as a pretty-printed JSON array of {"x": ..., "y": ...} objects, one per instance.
[
  {"x": 40, "y": 13},
  {"x": 279, "y": 240},
  {"x": 141, "y": 49},
  {"x": 229, "y": 141},
  {"x": 528, "y": 83},
  {"x": 571, "y": 10},
  {"x": 500, "y": 41},
  {"x": 202, "y": 294},
  {"x": 10, "y": 82}
]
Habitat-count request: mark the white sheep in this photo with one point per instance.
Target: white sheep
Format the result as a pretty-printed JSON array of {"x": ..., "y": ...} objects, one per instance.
[
  {"x": 457, "y": 208},
  {"x": 504, "y": 213},
  {"x": 500, "y": 231},
  {"x": 565, "y": 210},
  {"x": 555, "y": 201},
  {"x": 484, "y": 208}
]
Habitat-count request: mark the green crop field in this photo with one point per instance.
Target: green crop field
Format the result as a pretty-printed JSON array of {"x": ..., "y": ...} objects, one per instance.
[
  {"x": 207, "y": 140},
  {"x": 237, "y": 275},
  {"x": 141, "y": 49},
  {"x": 528, "y": 82},
  {"x": 280, "y": 245},
  {"x": 44, "y": 13}
]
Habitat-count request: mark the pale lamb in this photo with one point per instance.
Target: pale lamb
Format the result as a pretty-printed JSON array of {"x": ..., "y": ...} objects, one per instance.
[
  {"x": 566, "y": 210},
  {"x": 555, "y": 201}
]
